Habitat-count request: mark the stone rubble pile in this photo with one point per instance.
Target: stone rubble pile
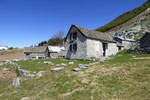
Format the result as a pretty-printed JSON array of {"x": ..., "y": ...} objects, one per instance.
[{"x": 139, "y": 51}]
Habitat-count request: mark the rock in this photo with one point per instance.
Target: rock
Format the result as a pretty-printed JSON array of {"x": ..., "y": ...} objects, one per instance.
[
  {"x": 57, "y": 64},
  {"x": 96, "y": 63},
  {"x": 63, "y": 64},
  {"x": 34, "y": 72},
  {"x": 16, "y": 82},
  {"x": 39, "y": 62},
  {"x": 25, "y": 98},
  {"x": 23, "y": 72},
  {"x": 81, "y": 66},
  {"x": 71, "y": 63},
  {"x": 39, "y": 74},
  {"x": 29, "y": 75},
  {"x": 57, "y": 69},
  {"x": 16, "y": 60},
  {"x": 76, "y": 69},
  {"x": 1, "y": 64},
  {"x": 5, "y": 69},
  {"x": 48, "y": 62}
]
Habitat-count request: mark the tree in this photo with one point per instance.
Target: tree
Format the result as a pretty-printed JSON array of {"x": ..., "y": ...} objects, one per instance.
[
  {"x": 42, "y": 43},
  {"x": 57, "y": 39}
]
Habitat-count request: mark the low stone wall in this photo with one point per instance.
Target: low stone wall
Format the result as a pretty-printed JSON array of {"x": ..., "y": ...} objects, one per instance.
[{"x": 139, "y": 51}]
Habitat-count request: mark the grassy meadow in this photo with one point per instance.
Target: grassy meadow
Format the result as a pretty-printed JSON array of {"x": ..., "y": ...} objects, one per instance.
[{"x": 125, "y": 77}]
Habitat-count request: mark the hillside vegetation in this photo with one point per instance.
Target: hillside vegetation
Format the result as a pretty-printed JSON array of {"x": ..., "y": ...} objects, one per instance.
[
  {"x": 124, "y": 17},
  {"x": 126, "y": 77}
]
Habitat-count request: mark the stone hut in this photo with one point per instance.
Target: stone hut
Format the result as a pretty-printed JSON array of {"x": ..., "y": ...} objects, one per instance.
[
  {"x": 145, "y": 41},
  {"x": 55, "y": 51},
  {"x": 81, "y": 43},
  {"x": 124, "y": 43},
  {"x": 35, "y": 52}
]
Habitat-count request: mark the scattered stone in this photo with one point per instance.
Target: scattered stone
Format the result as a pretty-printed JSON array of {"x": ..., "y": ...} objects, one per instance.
[
  {"x": 23, "y": 72},
  {"x": 95, "y": 63},
  {"x": 76, "y": 69},
  {"x": 16, "y": 60},
  {"x": 102, "y": 61},
  {"x": 94, "y": 59},
  {"x": 5, "y": 69},
  {"x": 30, "y": 75},
  {"x": 81, "y": 66},
  {"x": 25, "y": 98},
  {"x": 57, "y": 69},
  {"x": 39, "y": 74},
  {"x": 16, "y": 82},
  {"x": 63, "y": 64},
  {"x": 34, "y": 72},
  {"x": 57, "y": 64},
  {"x": 71, "y": 63},
  {"x": 39, "y": 62},
  {"x": 48, "y": 62},
  {"x": 1, "y": 64}
]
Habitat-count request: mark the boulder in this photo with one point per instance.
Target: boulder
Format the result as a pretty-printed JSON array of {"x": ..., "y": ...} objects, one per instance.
[
  {"x": 39, "y": 74},
  {"x": 71, "y": 63},
  {"x": 57, "y": 69},
  {"x": 25, "y": 98},
  {"x": 1, "y": 64},
  {"x": 81, "y": 66},
  {"x": 16, "y": 82},
  {"x": 63, "y": 64},
  {"x": 48, "y": 62},
  {"x": 29, "y": 75},
  {"x": 76, "y": 69},
  {"x": 57, "y": 64},
  {"x": 23, "y": 72}
]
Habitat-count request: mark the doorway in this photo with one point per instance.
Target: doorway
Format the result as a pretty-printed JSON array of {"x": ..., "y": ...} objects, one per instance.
[{"x": 104, "y": 49}]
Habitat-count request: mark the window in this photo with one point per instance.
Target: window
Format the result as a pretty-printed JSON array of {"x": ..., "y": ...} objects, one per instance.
[
  {"x": 70, "y": 47},
  {"x": 73, "y": 47},
  {"x": 70, "y": 36},
  {"x": 75, "y": 36}
]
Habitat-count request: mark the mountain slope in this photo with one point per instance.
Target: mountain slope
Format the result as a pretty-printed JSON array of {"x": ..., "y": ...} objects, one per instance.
[{"x": 124, "y": 17}]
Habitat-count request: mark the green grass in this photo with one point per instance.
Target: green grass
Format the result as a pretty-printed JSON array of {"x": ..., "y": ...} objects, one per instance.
[
  {"x": 122, "y": 78},
  {"x": 124, "y": 17}
]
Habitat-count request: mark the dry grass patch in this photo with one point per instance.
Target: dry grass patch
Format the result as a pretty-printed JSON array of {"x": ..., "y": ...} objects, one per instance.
[{"x": 11, "y": 54}]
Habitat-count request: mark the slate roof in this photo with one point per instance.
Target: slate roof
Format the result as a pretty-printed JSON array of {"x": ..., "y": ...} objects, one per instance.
[
  {"x": 92, "y": 34},
  {"x": 55, "y": 48},
  {"x": 125, "y": 39},
  {"x": 35, "y": 49}
]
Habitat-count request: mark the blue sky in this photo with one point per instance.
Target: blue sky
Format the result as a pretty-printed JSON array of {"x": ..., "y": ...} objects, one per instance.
[{"x": 28, "y": 22}]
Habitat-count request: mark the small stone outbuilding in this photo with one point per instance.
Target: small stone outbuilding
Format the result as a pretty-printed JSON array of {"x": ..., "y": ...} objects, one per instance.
[
  {"x": 35, "y": 52},
  {"x": 81, "y": 43},
  {"x": 145, "y": 41},
  {"x": 55, "y": 51},
  {"x": 124, "y": 43}
]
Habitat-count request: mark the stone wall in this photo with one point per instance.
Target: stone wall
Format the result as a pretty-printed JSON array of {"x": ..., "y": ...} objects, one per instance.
[
  {"x": 94, "y": 49},
  {"x": 145, "y": 41},
  {"x": 81, "y": 46},
  {"x": 35, "y": 55},
  {"x": 112, "y": 49}
]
